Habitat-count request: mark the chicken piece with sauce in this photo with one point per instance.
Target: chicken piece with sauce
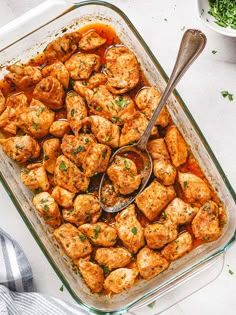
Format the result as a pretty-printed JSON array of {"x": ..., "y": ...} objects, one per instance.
[
  {"x": 81, "y": 66},
  {"x": 91, "y": 40},
  {"x": 158, "y": 150},
  {"x": 129, "y": 229},
  {"x": 34, "y": 176},
  {"x": 62, "y": 196},
  {"x": 68, "y": 176},
  {"x": 109, "y": 196},
  {"x": 134, "y": 128},
  {"x": 23, "y": 76},
  {"x": 76, "y": 111},
  {"x": 47, "y": 208},
  {"x": 180, "y": 212},
  {"x": 75, "y": 148},
  {"x": 20, "y": 149},
  {"x": 100, "y": 233},
  {"x": 51, "y": 151},
  {"x": 92, "y": 274},
  {"x": 59, "y": 128},
  {"x": 50, "y": 91},
  {"x": 86, "y": 209},
  {"x": 154, "y": 199},
  {"x": 178, "y": 247},
  {"x": 195, "y": 190},
  {"x": 122, "y": 69},
  {"x": 159, "y": 234},
  {"x": 2, "y": 102},
  {"x": 164, "y": 172},
  {"x": 96, "y": 159},
  {"x": 120, "y": 280},
  {"x": 150, "y": 263},
  {"x": 58, "y": 71},
  {"x": 124, "y": 175},
  {"x": 206, "y": 225},
  {"x": 113, "y": 257},
  {"x": 176, "y": 145},
  {"x": 147, "y": 100},
  {"x": 75, "y": 244},
  {"x": 36, "y": 119},
  {"x": 62, "y": 47},
  {"x": 105, "y": 132}
]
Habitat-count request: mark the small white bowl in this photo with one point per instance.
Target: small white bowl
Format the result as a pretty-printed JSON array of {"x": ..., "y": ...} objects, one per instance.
[{"x": 209, "y": 20}]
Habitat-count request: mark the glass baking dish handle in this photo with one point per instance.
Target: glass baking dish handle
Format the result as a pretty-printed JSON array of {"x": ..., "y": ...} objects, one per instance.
[
  {"x": 32, "y": 20},
  {"x": 166, "y": 298}
]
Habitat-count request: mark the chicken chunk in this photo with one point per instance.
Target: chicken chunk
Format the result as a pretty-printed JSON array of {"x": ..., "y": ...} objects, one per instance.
[
  {"x": 51, "y": 151},
  {"x": 62, "y": 196},
  {"x": 109, "y": 196},
  {"x": 120, "y": 280},
  {"x": 95, "y": 80},
  {"x": 164, "y": 172},
  {"x": 122, "y": 69},
  {"x": 176, "y": 145},
  {"x": 86, "y": 209},
  {"x": 35, "y": 177},
  {"x": 20, "y": 149},
  {"x": 96, "y": 159},
  {"x": 105, "y": 132},
  {"x": 2, "y": 102},
  {"x": 92, "y": 274},
  {"x": 113, "y": 257},
  {"x": 36, "y": 119},
  {"x": 76, "y": 111},
  {"x": 179, "y": 247},
  {"x": 50, "y": 91},
  {"x": 158, "y": 150},
  {"x": 154, "y": 199},
  {"x": 58, "y": 71},
  {"x": 195, "y": 190},
  {"x": 123, "y": 173},
  {"x": 159, "y": 234},
  {"x": 75, "y": 244},
  {"x": 59, "y": 128},
  {"x": 150, "y": 263},
  {"x": 47, "y": 208},
  {"x": 75, "y": 148},
  {"x": 147, "y": 100},
  {"x": 15, "y": 105},
  {"x": 81, "y": 66},
  {"x": 23, "y": 76},
  {"x": 129, "y": 229},
  {"x": 91, "y": 40},
  {"x": 206, "y": 225},
  {"x": 62, "y": 47},
  {"x": 180, "y": 212},
  {"x": 100, "y": 233},
  {"x": 134, "y": 128},
  {"x": 68, "y": 176}
]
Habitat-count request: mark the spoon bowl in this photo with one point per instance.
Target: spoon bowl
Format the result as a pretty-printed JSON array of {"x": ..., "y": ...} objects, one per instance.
[{"x": 192, "y": 44}]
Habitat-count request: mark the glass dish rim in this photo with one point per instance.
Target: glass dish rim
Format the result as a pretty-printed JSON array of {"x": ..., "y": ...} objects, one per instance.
[{"x": 75, "y": 5}]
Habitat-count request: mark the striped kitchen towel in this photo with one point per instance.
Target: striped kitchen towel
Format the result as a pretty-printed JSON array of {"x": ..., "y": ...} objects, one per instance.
[{"x": 16, "y": 287}]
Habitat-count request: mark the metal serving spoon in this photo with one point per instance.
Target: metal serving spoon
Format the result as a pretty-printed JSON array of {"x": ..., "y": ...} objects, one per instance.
[{"x": 192, "y": 44}]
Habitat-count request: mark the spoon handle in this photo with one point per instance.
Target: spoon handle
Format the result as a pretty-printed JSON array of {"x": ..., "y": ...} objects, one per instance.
[{"x": 192, "y": 44}]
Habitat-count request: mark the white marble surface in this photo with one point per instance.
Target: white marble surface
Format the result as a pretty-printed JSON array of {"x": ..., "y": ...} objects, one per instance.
[{"x": 161, "y": 24}]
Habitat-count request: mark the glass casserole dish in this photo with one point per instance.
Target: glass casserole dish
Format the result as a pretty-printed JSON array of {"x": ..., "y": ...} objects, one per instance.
[{"x": 73, "y": 17}]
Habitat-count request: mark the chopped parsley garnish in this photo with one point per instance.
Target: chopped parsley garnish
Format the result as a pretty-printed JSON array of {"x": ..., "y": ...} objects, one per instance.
[
  {"x": 224, "y": 12},
  {"x": 72, "y": 112},
  {"x": 46, "y": 157},
  {"x": 96, "y": 231},
  {"x": 79, "y": 149},
  {"x": 98, "y": 108},
  {"x": 214, "y": 52},
  {"x": 71, "y": 82},
  {"x": 62, "y": 288},
  {"x": 228, "y": 95},
  {"x": 114, "y": 119},
  {"x": 86, "y": 140},
  {"x": 38, "y": 190},
  {"x": 231, "y": 272},
  {"x": 84, "y": 83},
  {"x": 134, "y": 230},
  {"x": 121, "y": 102},
  {"x": 126, "y": 164},
  {"x": 45, "y": 207},
  {"x": 63, "y": 166},
  {"x": 36, "y": 126},
  {"x": 107, "y": 138},
  {"x": 106, "y": 270},
  {"x": 185, "y": 184},
  {"x": 151, "y": 305},
  {"x": 104, "y": 153},
  {"x": 82, "y": 237},
  {"x": 183, "y": 28}
]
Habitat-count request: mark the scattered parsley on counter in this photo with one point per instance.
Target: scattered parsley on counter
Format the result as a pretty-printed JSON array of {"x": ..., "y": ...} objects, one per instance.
[
  {"x": 224, "y": 12},
  {"x": 151, "y": 305},
  {"x": 62, "y": 288},
  {"x": 228, "y": 95},
  {"x": 214, "y": 52},
  {"x": 231, "y": 272},
  {"x": 183, "y": 28}
]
